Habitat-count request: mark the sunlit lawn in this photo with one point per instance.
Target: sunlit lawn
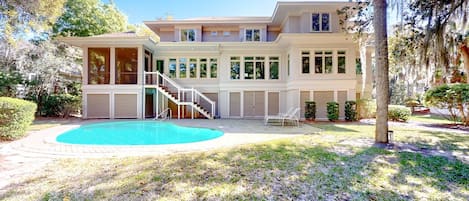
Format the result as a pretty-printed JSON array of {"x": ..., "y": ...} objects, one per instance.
[
  {"x": 432, "y": 119},
  {"x": 338, "y": 164}
]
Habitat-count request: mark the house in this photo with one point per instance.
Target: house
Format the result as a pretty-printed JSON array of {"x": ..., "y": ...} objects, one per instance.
[{"x": 228, "y": 67}]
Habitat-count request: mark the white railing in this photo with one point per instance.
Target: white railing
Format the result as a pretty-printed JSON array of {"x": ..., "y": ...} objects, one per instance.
[{"x": 184, "y": 96}]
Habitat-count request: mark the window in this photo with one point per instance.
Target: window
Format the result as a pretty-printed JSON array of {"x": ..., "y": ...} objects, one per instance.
[
  {"x": 341, "y": 62},
  {"x": 235, "y": 68},
  {"x": 213, "y": 68},
  {"x": 323, "y": 62},
  {"x": 182, "y": 68},
  {"x": 254, "y": 68},
  {"x": 126, "y": 65},
  {"x": 358, "y": 66},
  {"x": 214, "y": 33},
  {"x": 260, "y": 75},
  {"x": 172, "y": 68},
  {"x": 305, "y": 62},
  {"x": 192, "y": 68},
  {"x": 320, "y": 22},
  {"x": 252, "y": 35},
  {"x": 273, "y": 68},
  {"x": 226, "y": 33},
  {"x": 98, "y": 65},
  {"x": 248, "y": 68},
  {"x": 188, "y": 35},
  {"x": 203, "y": 68}
]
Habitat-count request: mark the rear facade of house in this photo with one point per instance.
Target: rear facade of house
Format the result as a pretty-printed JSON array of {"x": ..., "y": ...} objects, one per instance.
[{"x": 227, "y": 67}]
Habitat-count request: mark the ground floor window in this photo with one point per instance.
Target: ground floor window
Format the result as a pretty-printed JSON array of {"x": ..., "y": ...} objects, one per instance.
[
  {"x": 254, "y": 67},
  {"x": 235, "y": 68},
  {"x": 324, "y": 61},
  {"x": 126, "y": 65}
]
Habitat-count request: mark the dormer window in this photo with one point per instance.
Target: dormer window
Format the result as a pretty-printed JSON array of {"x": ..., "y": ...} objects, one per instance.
[
  {"x": 320, "y": 22},
  {"x": 252, "y": 35},
  {"x": 188, "y": 35}
]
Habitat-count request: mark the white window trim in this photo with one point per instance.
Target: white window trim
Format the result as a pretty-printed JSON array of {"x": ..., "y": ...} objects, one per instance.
[
  {"x": 180, "y": 35},
  {"x": 320, "y": 22},
  {"x": 252, "y": 28}
]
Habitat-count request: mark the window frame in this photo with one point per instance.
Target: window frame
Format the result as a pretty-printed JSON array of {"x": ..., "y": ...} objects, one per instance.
[
  {"x": 320, "y": 24},
  {"x": 187, "y": 35},
  {"x": 252, "y": 34}
]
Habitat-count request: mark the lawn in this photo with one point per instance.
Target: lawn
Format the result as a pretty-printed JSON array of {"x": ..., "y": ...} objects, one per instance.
[
  {"x": 431, "y": 119},
  {"x": 340, "y": 163}
]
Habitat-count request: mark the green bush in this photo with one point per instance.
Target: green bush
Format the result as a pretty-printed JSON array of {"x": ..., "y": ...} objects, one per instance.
[
  {"x": 60, "y": 105},
  {"x": 333, "y": 111},
  {"x": 398, "y": 113},
  {"x": 454, "y": 98},
  {"x": 366, "y": 108},
  {"x": 350, "y": 110},
  {"x": 15, "y": 117},
  {"x": 310, "y": 110}
]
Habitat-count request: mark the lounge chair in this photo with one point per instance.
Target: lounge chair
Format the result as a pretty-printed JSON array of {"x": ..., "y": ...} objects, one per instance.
[
  {"x": 293, "y": 117},
  {"x": 283, "y": 117}
]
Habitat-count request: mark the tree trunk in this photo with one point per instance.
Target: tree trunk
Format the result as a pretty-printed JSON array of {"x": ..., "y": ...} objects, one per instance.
[
  {"x": 382, "y": 68},
  {"x": 465, "y": 55}
]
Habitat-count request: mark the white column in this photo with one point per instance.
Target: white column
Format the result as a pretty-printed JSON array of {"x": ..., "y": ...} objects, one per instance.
[{"x": 112, "y": 66}]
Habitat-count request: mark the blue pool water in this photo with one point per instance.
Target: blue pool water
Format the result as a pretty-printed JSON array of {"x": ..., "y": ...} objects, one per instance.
[{"x": 136, "y": 133}]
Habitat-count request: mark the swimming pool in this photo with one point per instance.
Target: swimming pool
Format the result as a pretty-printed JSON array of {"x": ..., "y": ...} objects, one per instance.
[{"x": 136, "y": 133}]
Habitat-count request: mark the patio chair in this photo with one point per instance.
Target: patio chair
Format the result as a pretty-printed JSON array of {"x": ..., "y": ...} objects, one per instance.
[
  {"x": 281, "y": 117},
  {"x": 293, "y": 117}
]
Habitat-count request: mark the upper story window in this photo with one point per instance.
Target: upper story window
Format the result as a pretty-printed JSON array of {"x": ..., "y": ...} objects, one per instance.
[
  {"x": 273, "y": 68},
  {"x": 235, "y": 63},
  {"x": 340, "y": 61},
  {"x": 323, "y": 62},
  {"x": 188, "y": 35},
  {"x": 305, "y": 62},
  {"x": 320, "y": 22},
  {"x": 252, "y": 35}
]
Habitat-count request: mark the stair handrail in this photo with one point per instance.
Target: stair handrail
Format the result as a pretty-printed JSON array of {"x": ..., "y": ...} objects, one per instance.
[{"x": 166, "y": 112}]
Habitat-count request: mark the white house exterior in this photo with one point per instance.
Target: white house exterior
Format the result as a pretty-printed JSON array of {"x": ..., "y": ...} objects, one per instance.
[{"x": 233, "y": 67}]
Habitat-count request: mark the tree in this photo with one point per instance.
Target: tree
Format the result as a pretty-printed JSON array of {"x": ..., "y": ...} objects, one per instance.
[
  {"x": 88, "y": 18},
  {"x": 382, "y": 68}
]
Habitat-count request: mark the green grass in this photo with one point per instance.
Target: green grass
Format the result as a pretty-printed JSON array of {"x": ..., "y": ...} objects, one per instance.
[
  {"x": 431, "y": 119},
  {"x": 338, "y": 164}
]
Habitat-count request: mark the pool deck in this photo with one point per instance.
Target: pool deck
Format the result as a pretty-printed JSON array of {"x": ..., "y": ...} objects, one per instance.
[{"x": 39, "y": 148}]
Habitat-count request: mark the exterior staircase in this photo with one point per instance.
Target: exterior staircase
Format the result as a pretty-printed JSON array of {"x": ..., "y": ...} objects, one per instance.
[{"x": 188, "y": 97}]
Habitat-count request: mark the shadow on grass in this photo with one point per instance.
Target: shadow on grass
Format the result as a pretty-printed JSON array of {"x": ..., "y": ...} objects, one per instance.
[{"x": 281, "y": 170}]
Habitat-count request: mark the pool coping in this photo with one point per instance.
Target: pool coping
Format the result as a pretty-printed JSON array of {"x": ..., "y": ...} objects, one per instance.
[{"x": 236, "y": 132}]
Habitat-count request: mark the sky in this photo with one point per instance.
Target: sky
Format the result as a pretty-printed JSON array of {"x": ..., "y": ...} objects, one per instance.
[{"x": 138, "y": 11}]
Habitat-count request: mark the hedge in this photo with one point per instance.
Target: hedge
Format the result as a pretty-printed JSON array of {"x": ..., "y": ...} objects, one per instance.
[
  {"x": 398, "y": 113},
  {"x": 15, "y": 117},
  {"x": 333, "y": 111},
  {"x": 350, "y": 110},
  {"x": 310, "y": 110},
  {"x": 61, "y": 105},
  {"x": 366, "y": 108}
]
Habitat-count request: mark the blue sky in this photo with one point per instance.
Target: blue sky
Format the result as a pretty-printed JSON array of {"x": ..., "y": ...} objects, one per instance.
[{"x": 142, "y": 10}]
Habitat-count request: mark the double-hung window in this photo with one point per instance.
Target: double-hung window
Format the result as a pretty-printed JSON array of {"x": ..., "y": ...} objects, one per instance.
[
  {"x": 323, "y": 62},
  {"x": 320, "y": 22},
  {"x": 252, "y": 35},
  {"x": 188, "y": 35}
]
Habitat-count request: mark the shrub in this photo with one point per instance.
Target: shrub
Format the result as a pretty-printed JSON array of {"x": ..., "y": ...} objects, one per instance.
[
  {"x": 310, "y": 110},
  {"x": 333, "y": 111},
  {"x": 350, "y": 110},
  {"x": 454, "y": 98},
  {"x": 15, "y": 117},
  {"x": 366, "y": 108},
  {"x": 60, "y": 105},
  {"x": 398, "y": 113}
]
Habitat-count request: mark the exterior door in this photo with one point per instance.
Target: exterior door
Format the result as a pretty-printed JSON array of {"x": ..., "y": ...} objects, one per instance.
[{"x": 254, "y": 103}]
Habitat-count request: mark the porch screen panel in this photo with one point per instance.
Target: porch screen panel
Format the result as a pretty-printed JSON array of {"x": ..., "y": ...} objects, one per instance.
[
  {"x": 321, "y": 98},
  {"x": 126, "y": 65},
  {"x": 235, "y": 104},
  {"x": 304, "y": 96},
  {"x": 125, "y": 106},
  {"x": 273, "y": 104},
  {"x": 341, "y": 98},
  {"x": 97, "y": 105},
  {"x": 99, "y": 65}
]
